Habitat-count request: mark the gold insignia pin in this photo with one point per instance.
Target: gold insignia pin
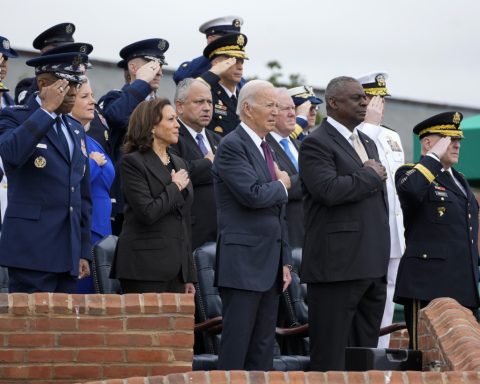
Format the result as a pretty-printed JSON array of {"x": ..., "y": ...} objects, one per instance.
[
  {"x": 218, "y": 129},
  {"x": 456, "y": 118},
  {"x": 241, "y": 40},
  {"x": 380, "y": 80},
  {"x": 441, "y": 211},
  {"x": 105, "y": 133},
  {"x": 40, "y": 162},
  {"x": 236, "y": 23}
]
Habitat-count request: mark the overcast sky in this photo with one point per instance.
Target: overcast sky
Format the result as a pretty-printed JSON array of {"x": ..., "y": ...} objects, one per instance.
[{"x": 431, "y": 48}]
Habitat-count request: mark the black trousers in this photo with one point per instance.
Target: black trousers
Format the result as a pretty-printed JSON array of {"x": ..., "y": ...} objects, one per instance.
[
  {"x": 343, "y": 314},
  {"x": 175, "y": 285},
  {"x": 29, "y": 281},
  {"x": 248, "y": 334}
]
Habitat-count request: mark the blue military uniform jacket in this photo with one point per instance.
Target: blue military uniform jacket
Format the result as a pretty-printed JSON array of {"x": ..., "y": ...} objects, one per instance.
[
  {"x": 224, "y": 119},
  {"x": 441, "y": 229},
  {"x": 47, "y": 222},
  {"x": 192, "y": 68},
  {"x": 7, "y": 100}
]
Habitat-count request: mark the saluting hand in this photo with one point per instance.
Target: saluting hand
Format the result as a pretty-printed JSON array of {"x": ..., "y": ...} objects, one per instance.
[
  {"x": 148, "y": 71},
  {"x": 441, "y": 146},
  {"x": 304, "y": 108},
  {"x": 52, "y": 96},
  {"x": 222, "y": 66},
  {"x": 375, "y": 111}
]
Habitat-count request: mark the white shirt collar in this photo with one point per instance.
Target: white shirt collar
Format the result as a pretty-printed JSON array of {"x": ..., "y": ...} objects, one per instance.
[
  {"x": 192, "y": 131},
  {"x": 256, "y": 139},
  {"x": 344, "y": 131},
  {"x": 229, "y": 93},
  {"x": 277, "y": 137}
]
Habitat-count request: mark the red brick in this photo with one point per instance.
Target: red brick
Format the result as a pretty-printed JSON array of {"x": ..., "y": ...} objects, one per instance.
[
  {"x": 182, "y": 354},
  {"x": 53, "y": 324},
  {"x": 132, "y": 303},
  {"x": 315, "y": 377},
  {"x": 125, "y": 370},
  {"x": 153, "y": 323},
  {"x": 297, "y": 377},
  {"x": 113, "y": 304},
  {"x": 130, "y": 340},
  {"x": 156, "y": 380},
  {"x": 148, "y": 355},
  {"x": 176, "y": 339},
  {"x": 79, "y": 306},
  {"x": 14, "y": 324},
  {"x": 81, "y": 340},
  {"x": 170, "y": 369},
  {"x": 77, "y": 372},
  {"x": 197, "y": 378},
  {"x": 61, "y": 303},
  {"x": 151, "y": 303},
  {"x": 50, "y": 355},
  {"x": 353, "y": 378},
  {"x": 31, "y": 340},
  {"x": 256, "y": 377},
  {"x": 187, "y": 304},
  {"x": 219, "y": 377},
  {"x": 276, "y": 377},
  {"x": 100, "y": 324},
  {"x": 181, "y": 323},
  {"x": 95, "y": 304},
  {"x": 168, "y": 302},
  {"x": 19, "y": 303},
  {"x": 11, "y": 355},
  {"x": 238, "y": 377},
  {"x": 136, "y": 380},
  {"x": 26, "y": 372},
  {"x": 41, "y": 302},
  {"x": 100, "y": 355}
]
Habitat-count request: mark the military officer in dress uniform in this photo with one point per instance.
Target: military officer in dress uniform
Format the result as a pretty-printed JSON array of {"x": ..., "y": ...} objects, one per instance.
[
  {"x": 306, "y": 107},
  {"x": 46, "y": 232},
  {"x": 50, "y": 38},
  {"x": 391, "y": 155},
  {"x": 143, "y": 60},
  {"x": 6, "y": 52},
  {"x": 213, "y": 29},
  {"x": 441, "y": 224},
  {"x": 227, "y": 55}
]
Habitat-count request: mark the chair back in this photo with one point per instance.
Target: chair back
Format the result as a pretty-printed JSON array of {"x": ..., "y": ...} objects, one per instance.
[{"x": 103, "y": 253}]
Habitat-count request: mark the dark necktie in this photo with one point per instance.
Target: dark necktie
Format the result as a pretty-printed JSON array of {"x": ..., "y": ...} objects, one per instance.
[
  {"x": 234, "y": 99},
  {"x": 201, "y": 144},
  {"x": 269, "y": 159},
  {"x": 61, "y": 136},
  {"x": 289, "y": 153}
]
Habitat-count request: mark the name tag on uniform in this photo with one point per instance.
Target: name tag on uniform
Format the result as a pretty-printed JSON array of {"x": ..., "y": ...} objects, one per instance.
[
  {"x": 41, "y": 145},
  {"x": 441, "y": 193}
]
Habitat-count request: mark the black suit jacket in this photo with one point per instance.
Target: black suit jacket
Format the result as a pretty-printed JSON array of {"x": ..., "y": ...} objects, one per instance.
[
  {"x": 295, "y": 204},
  {"x": 155, "y": 241},
  {"x": 204, "y": 211},
  {"x": 346, "y": 211}
]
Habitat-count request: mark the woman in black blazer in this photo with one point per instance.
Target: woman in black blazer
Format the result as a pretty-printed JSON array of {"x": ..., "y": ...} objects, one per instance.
[{"x": 154, "y": 249}]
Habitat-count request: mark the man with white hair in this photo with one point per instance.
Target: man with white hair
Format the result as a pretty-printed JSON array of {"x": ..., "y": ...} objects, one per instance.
[{"x": 253, "y": 254}]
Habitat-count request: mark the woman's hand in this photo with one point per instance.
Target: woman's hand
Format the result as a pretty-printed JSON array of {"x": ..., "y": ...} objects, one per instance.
[
  {"x": 99, "y": 158},
  {"x": 180, "y": 178}
]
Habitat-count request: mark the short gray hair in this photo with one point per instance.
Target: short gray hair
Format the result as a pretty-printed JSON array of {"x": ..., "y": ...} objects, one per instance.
[
  {"x": 183, "y": 88},
  {"x": 337, "y": 84},
  {"x": 248, "y": 93}
]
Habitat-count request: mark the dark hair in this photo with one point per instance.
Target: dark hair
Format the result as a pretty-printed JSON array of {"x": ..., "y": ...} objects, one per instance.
[{"x": 142, "y": 120}]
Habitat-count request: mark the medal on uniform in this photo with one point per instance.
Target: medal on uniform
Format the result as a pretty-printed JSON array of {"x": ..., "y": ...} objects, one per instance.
[
  {"x": 441, "y": 211},
  {"x": 40, "y": 162},
  {"x": 105, "y": 133}
]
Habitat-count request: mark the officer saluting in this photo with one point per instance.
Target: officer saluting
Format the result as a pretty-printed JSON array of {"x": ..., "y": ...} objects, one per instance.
[
  {"x": 213, "y": 29},
  {"x": 6, "y": 52},
  {"x": 227, "y": 55},
  {"x": 441, "y": 224},
  {"x": 45, "y": 241},
  {"x": 52, "y": 37}
]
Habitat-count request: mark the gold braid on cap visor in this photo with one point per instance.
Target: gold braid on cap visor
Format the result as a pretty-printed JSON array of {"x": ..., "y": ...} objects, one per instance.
[
  {"x": 231, "y": 50},
  {"x": 376, "y": 91},
  {"x": 445, "y": 130}
]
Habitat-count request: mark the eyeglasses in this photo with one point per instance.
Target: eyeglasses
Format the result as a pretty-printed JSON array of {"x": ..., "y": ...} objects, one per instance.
[{"x": 313, "y": 108}]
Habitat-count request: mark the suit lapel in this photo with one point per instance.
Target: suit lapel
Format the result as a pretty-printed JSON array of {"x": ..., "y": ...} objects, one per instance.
[
  {"x": 368, "y": 145},
  {"x": 447, "y": 181},
  {"x": 342, "y": 142},
  {"x": 254, "y": 152},
  {"x": 155, "y": 166},
  {"x": 190, "y": 141}
]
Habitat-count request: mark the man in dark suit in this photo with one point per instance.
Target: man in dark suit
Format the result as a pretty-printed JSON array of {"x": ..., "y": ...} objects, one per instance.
[
  {"x": 253, "y": 255},
  {"x": 286, "y": 151},
  {"x": 45, "y": 240},
  {"x": 441, "y": 224},
  {"x": 227, "y": 55},
  {"x": 347, "y": 241},
  {"x": 197, "y": 146}
]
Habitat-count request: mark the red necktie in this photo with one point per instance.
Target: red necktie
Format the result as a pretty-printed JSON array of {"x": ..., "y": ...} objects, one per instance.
[{"x": 269, "y": 159}]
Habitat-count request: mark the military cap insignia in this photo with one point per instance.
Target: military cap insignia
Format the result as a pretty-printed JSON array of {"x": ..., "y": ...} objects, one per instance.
[
  {"x": 456, "y": 118},
  {"x": 40, "y": 162},
  {"x": 83, "y": 49},
  {"x": 69, "y": 29},
  {"x": 241, "y": 40},
  {"x": 218, "y": 129},
  {"x": 380, "y": 79},
  {"x": 161, "y": 44},
  {"x": 6, "y": 44},
  {"x": 185, "y": 65},
  {"x": 236, "y": 23}
]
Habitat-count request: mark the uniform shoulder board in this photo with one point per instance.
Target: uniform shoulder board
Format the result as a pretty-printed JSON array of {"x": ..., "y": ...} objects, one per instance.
[
  {"x": 20, "y": 106},
  {"x": 407, "y": 165},
  {"x": 391, "y": 129}
]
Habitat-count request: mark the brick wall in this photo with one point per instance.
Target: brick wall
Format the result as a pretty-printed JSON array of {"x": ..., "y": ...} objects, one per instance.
[
  {"x": 242, "y": 377},
  {"x": 59, "y": 338},
  {"x": 450, "y": 334}
]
